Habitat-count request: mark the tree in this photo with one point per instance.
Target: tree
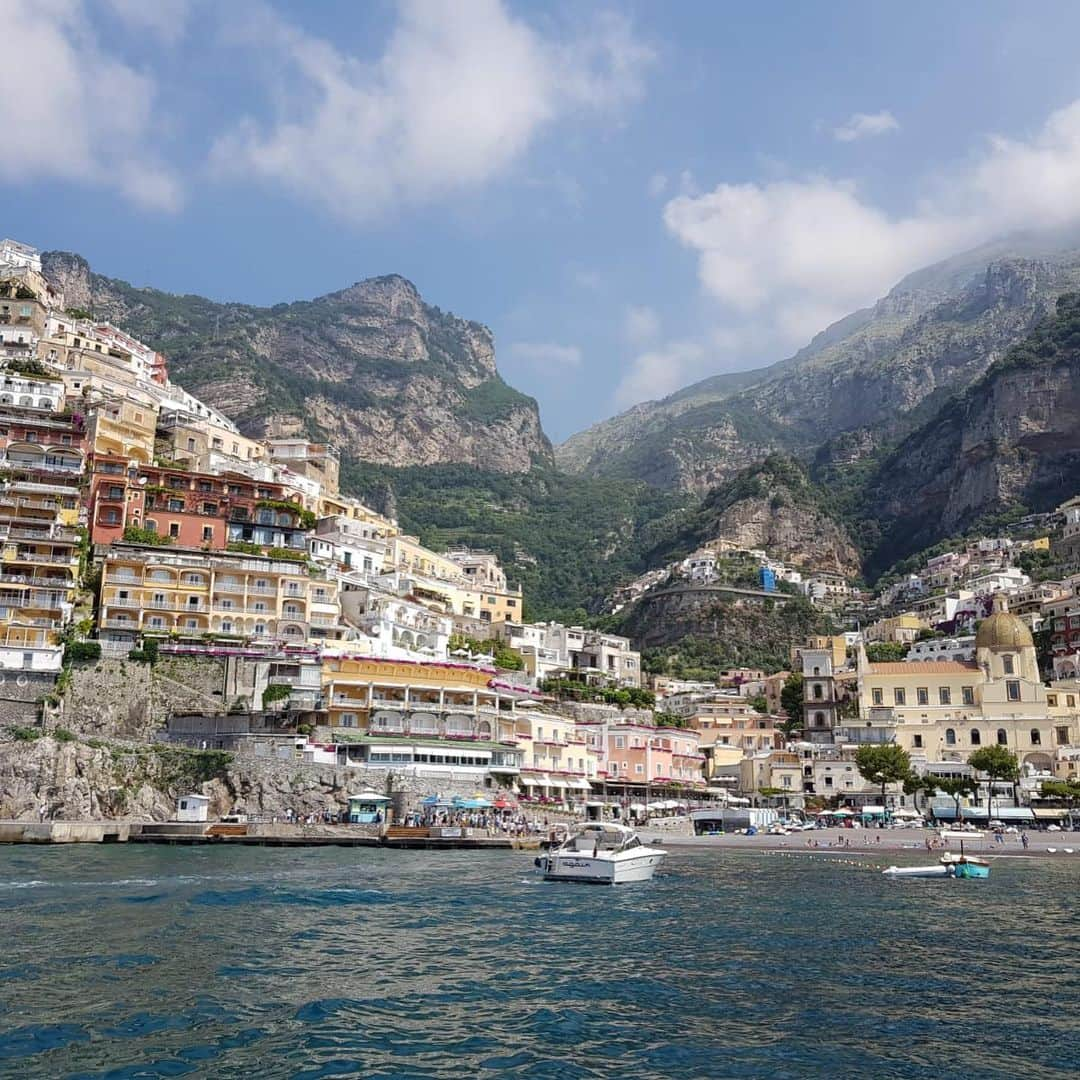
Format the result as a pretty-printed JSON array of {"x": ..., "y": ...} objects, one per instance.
[
  {"x": 954, "y": 786},
  {"x": 997, "y": 763},
  {"x": 917, "y": 785},
  {"x": 886, "y": 651},
  {"x": 758, "y": 703},
  {"x": 789, "y": 726},
  {"x": 791, "y": 697},
  {"x": 888, "y": 764},
  {"x": 1068, "y": 791}
]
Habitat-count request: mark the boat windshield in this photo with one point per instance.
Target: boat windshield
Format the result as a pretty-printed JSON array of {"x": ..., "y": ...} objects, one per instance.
[{"x": 601, "y": 839}]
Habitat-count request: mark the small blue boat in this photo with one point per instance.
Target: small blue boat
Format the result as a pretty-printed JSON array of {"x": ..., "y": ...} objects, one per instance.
[{"x": 968, "y": 869}]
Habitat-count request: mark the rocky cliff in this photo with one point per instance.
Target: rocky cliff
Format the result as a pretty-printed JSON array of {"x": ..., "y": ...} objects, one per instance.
[
  {"x": 387, "y": 377},
  {"x": 883, "y": 371},
  {"x": 773, "y": 506},
  {"x": 1011, "y": 440}
]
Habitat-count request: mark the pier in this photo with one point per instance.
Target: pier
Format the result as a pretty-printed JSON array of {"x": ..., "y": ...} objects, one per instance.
[{"x": 277, "y": 834}]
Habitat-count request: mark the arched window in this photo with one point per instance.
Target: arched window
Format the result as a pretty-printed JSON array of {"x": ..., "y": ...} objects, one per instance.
[
  {"x": 1036, "y": 737},
  {"x": 950, "y": 737},
  {"x": 226, "y": 626},
  {"x": 1002, "y": 737},
  {"x": 819, "y": 693},
  {"x": 817, "y": 671},
  {"x": 976, "y": 738},
  {"x": 819, "y": 719}
]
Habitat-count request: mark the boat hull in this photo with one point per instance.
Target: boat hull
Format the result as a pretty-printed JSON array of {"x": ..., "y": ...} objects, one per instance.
[
  {"x": 639, "y": 865},
  {"x": 917, "y": 871},
  {"x": 971, "y": 870}
]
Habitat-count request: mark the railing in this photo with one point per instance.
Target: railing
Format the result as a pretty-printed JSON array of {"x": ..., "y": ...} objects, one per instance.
[{"x": 120, "y": 624}]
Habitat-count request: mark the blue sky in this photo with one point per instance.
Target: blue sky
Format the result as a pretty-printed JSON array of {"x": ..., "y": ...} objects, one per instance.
[{"x": 633, "y": 196}]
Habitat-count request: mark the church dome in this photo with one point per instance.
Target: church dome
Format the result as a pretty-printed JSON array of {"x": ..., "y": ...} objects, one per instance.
[{"x": 1003, "y": 631}]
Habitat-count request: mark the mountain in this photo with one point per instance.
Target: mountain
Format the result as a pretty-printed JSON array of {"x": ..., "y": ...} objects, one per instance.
[
  {"x": 1008, "y": 444},
  {"x": 876, "y": 374},
  {"x": 773, "y": 506},
  {"x": 373, "y": 369}
]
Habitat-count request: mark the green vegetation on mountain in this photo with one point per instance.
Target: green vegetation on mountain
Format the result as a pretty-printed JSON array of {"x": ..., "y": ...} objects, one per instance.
[{"x": 567, "y": 540}]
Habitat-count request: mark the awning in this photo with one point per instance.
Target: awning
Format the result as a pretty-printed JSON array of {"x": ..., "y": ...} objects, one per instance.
[
  {"x": 535, "y": 779},
  {"x": 1043, "y": 814},
  {"x": 578, "y": 784},
  {"x": 555, "y": 782},
  {"x": 1014, "y": 813}
]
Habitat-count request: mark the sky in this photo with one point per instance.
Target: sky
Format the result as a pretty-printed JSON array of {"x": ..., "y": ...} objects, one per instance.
[{"x": 633, "y": 196}]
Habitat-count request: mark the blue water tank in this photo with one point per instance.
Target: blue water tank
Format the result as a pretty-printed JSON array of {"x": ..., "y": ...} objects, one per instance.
[{"x": 768, "y": 579}]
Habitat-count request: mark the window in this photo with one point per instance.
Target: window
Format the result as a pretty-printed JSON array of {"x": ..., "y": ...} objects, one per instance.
[
  {"x": 950, "y": 737},
  {"x": 174, "y": 529},
  {"x": 1036, "y": 737},
  {"x": 1002, "y": 737},
  {"x": 878, "y": 696},
  {"x": 1051, "y": 700},
  {"x": 209, "y": 508},
  {"x": 944, "y": 695},
  {"x": 1062, "y": 736},
  {"x": 917, "y": 742},
  {"x": 922, "y": 695},
  {"x": 1012, "y": 689},
  {"x": 1007, "y": 664},
  {"x": 176, "y": 505},
  {"x": 639, "y": 768},
  {"x": 969, "y": 695},
  {"x": 620, "y": 742},
  {"x": 819, "y": 719},
  {"x": 976, "y": 738},
  {"x": 208, "y": 532},
  {"x": 1070, "y": 700},
  {"x": 818, "y": 691},
  {"x": 828, "y": 781},
  {"x": 899, "y": 697}
]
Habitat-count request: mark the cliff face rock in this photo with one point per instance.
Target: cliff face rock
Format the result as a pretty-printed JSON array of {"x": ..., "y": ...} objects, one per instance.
[
  {"x": 800, "y": 536},
  {"x": 773, "y": 506},
  {"x": 883, "y": 370},
  {"x": 1012, "y": 439},
  {"x": 387, "y": 377}
]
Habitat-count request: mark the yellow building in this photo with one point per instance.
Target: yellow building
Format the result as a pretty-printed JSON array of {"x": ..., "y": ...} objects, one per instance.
[
  {"x": 835, "y": 644},
  {"x": 900, "y": 629},
  {"x": 195, "y": 595},
  {"x": 436, "y": 719},
  {"x": 203, "y": 445},
  {"x": 941, "y": 711},
  {"x": 125, "y": 428}
]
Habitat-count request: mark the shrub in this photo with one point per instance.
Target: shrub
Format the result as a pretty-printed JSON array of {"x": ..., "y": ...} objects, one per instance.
[
  {"x": 136, "y": 534},
  {"x": 24, "y": 734},
  {"x": 79, "y": 651},
  {"x": 62, "y": 734}
]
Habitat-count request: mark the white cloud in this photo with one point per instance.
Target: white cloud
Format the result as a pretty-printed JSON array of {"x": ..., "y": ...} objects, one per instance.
[
  {"x": 165, "y": 19},
  {"x": 658, "y": 372},
  {"x": 546, "y": 356},
  {"x": 458, "y": 95},
  {"x": 866, "y": 125},
  {"x": 80, "y": 114},
  {"x": 803, "y": 253},
  {"x": 641, "y": 325}
]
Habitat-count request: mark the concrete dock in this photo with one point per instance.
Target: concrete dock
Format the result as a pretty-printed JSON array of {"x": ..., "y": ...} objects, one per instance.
[{"x": 276, "y": 834}]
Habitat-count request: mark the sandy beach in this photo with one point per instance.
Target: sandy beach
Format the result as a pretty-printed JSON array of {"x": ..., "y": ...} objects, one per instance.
[{"x": 874, "y": 841}]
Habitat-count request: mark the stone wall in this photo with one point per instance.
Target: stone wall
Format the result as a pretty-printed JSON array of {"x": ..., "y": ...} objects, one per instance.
[
  {"x": 20, "y": 696},
  {"x": 130, "y": 699}
]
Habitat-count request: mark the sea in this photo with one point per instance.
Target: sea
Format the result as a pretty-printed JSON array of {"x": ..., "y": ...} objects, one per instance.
[{"x": 138, "y": 961}]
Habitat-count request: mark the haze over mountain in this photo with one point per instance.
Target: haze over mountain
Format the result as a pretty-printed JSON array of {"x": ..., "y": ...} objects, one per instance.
[{"x": 878, "y": 371}]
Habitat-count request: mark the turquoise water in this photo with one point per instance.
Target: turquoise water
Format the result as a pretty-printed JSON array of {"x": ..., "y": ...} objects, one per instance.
[{"x": 153, "y": 962}]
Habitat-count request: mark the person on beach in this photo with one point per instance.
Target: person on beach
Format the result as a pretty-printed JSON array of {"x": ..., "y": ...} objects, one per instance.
[{"x": 1024, "y": 840}]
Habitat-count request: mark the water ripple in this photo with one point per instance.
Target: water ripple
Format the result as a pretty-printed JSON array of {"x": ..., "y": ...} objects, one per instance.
[{"x": 154, "y": 962}]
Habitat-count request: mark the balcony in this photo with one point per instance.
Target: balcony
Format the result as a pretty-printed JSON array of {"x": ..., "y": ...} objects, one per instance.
[{"x": 120, "y": 624}]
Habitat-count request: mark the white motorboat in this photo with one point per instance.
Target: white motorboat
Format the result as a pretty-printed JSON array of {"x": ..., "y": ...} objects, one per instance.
[
  {"x": 936, "y": 870},
  {"x": 601, "y": 853}
]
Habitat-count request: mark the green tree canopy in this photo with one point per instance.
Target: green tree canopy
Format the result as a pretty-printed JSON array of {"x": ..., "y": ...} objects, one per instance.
[
  {"x": 791, "y": 696},
  {"x": 996, "y": 762},
  {"x": 887, "y": 764},
  {"x": 881, "y": 652}
]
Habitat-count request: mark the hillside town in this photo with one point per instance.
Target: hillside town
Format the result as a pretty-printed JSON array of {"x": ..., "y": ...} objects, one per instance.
[{"x": 141, "y": 524}]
